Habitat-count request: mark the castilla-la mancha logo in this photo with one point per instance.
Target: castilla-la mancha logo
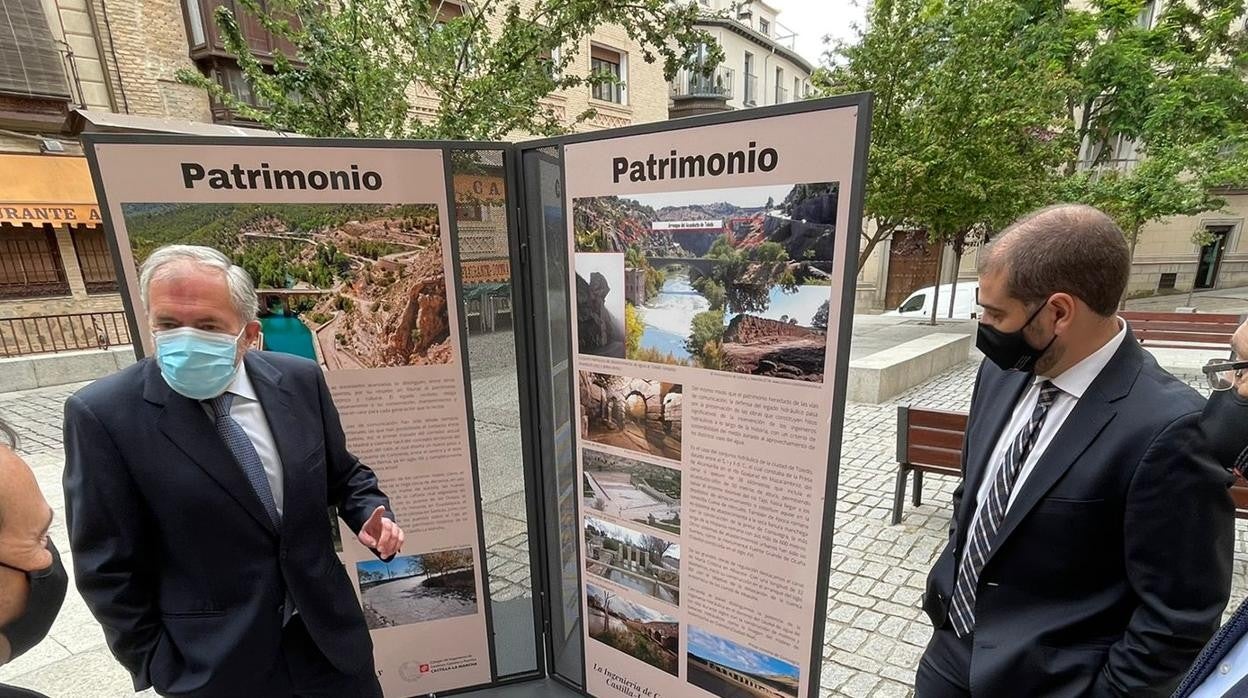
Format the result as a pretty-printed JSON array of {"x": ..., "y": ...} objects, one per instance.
[{"x": 413, "y": 671}]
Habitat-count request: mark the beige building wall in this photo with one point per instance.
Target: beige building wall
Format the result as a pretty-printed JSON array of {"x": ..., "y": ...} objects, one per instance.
[
  {"x": 1165, "y": 247},
  {"x": 149, "y": 38},
  {"x": 645, "y": 89},
  {"x": 73, "y": 22}
]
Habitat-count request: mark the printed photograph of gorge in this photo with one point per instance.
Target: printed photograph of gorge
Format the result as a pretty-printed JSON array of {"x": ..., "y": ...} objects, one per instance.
[
  {"x": 349, "y": 286},
  {"x": 732, "y": 280}
]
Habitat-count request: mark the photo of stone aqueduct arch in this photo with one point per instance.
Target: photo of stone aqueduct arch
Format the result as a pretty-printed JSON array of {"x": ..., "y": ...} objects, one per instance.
[{"x": 631, "y": 413}]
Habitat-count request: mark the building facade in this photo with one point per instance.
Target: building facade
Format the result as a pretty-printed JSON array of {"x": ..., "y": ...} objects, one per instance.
[
  {"x": 1167, "y": 259},
  {"x": 72, "y": 65},
  {"x": 760, "y": 65}
]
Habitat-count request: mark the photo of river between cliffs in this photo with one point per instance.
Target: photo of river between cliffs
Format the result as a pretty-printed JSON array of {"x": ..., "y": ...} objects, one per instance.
[
  {"x": 669, "y": 314},
  {"x": 734, "y": 280}
]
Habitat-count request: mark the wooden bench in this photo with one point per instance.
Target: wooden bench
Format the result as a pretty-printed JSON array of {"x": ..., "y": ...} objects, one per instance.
[
  {"x": 1183, "y": 330},
  {"x": 930, "y": 441}
]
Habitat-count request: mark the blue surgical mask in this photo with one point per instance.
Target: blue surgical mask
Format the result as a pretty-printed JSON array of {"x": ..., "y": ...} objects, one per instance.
[{"x": 196, "y": 363}]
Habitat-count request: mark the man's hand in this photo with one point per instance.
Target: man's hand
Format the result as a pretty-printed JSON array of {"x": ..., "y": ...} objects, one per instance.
[{"x": 381, "y": 535}]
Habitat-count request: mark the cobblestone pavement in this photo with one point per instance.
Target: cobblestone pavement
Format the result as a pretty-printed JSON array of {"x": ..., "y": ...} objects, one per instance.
[{"x": 875, "y": 629}]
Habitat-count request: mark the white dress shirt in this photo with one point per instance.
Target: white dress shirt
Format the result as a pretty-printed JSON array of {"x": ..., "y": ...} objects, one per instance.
[
  {"x": 1073, "y": 383},
  {"x": 247, "y": 411},
  {"x": 1228, "y": 672}
]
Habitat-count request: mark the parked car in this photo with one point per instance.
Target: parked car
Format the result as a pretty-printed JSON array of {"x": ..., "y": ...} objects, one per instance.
[{"x": 965, "y": 302}]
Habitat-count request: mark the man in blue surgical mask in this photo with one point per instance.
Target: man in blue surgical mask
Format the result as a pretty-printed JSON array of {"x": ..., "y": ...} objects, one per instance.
[
  {"x": 196, "y": 486},
  {"x": 1090, "y": 548}
]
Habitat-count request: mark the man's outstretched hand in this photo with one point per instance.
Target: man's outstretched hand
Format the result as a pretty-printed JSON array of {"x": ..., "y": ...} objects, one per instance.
[{"x": 381, "y": 535}]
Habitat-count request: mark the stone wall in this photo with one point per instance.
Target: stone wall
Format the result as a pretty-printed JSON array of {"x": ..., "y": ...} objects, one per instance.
[
  {"x": 149, "y": 39},
  {"x": 751, "y": 328}
]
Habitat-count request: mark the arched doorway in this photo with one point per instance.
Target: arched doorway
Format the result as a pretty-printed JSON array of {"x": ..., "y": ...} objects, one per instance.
[{"x": 635, "y": 407}]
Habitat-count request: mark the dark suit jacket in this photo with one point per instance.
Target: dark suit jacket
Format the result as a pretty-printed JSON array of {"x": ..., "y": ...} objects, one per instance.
[
  {"x": 1113, "y": 565},
  {"x": 172, "y": 549}
]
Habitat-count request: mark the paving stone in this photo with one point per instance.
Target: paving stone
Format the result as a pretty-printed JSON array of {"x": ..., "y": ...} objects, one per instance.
[
  {"x": 861, "y": 685},
  {"x": 875, "y": 630}
]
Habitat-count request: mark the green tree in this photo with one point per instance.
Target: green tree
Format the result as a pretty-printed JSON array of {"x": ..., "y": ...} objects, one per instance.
[
  {"x": 820, "y": 320},
  {"x": 357, "y": 63},
  {"x": 965, "y": 132},
  {"x": 706, "y": 335},
  {"x": 634, "y": 327},
  {"x": 1159, "y": 104},
  {"x": 741, "y": 279}
]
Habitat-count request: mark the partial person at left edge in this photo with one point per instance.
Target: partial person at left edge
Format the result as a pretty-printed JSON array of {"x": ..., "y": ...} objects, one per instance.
[
  {"x": 196, "y": 486},
  {"x": 32, "y": 579}
]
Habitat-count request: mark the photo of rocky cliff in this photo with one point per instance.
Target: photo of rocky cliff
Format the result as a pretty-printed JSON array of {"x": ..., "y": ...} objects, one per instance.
[
  {"x": 735, "y": 280},
  {"x": 600, "y": 304},
  {"x": 350, "y": 286}
]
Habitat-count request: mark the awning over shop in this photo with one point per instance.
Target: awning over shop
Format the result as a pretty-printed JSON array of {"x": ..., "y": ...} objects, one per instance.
[
  {"x": 84, "y": 120},
  {"x": 39, "y": 189},
  {"x": 473, "y": 292}
]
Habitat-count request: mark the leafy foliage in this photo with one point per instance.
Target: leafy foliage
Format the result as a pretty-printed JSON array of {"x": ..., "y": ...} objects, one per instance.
[
  {"x": 356, "y": 65},
  {"x": 742, "y": 278},
  {"x": 706, "y": 335},
  {"x": 634, "y": 327},
  {"x": 987, "y": 109}
]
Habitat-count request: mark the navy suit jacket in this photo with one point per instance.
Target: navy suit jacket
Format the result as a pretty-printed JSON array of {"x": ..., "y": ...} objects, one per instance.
[
  {"x": 172, "y": 549},
  {"x": 1113, "y": 565}
]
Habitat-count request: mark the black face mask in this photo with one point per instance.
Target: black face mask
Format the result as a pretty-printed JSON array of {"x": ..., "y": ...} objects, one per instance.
[
  {"x": 1010, "y": 350},
  {"x": 47, "y": 593},
  {"x": 1225, "y": 425}
]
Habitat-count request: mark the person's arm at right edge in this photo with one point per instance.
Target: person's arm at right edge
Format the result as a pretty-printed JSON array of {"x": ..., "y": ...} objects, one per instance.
[
  {"x": 109, "y": 533},
  {"x": 1179, "y": 532}
]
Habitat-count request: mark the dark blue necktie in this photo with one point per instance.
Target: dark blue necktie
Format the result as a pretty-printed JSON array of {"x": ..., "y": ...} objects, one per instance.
[
  {"x": 1207, "y": 660},
  {"x": 244, "y": 452}
]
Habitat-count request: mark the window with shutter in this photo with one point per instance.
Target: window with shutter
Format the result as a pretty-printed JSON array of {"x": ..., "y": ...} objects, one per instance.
[
  {"x": 31, "y": 64},
  {"x": 30, "y": 263},
  {"x": 94, "y": 259}
]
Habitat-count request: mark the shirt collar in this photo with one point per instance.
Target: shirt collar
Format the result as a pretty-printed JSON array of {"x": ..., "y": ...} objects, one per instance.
[
  {"x": 1076, "y": 379},
  {"x": 241, "y": 385}
]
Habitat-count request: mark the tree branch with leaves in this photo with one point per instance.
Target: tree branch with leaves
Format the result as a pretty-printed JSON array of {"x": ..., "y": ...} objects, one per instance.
[{"x": 357, "y": 66}]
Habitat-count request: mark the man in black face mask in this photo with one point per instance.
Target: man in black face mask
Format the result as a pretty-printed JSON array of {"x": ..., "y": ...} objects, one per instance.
[
  {"x": 1090, "y": 547},
  {"x": 32, "y": 579},
  {"x": 1222, "y": 667}
]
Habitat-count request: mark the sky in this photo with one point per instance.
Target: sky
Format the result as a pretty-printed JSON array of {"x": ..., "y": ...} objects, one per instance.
[
  {"x": 813, "y": 19},
  {"x": 741, "y": 658},
  {"x": 627, "y": 608},
  {"x": 398, "y": 565}
]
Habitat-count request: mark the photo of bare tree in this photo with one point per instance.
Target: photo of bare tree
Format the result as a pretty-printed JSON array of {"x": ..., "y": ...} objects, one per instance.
[{"x": 418, "y": 588}]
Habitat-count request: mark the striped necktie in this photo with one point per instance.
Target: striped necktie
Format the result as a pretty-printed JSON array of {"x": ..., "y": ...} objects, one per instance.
[{"x": 992, "y": 513}]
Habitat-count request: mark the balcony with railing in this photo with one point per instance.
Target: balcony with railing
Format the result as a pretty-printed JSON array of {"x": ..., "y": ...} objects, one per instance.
[
  {"x": 50, "y": 334},
  {"x": 693, "y": 84}
]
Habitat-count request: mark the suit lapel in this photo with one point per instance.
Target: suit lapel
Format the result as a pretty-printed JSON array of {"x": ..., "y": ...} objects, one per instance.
[
  {"x": 184, "y": 422},
  {"x": 1094, "y": 411},
  {"x": 979, "y": 445}
]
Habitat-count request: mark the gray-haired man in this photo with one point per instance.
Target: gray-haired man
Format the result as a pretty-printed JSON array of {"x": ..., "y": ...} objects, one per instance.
[{"x": 196, "y": 485}]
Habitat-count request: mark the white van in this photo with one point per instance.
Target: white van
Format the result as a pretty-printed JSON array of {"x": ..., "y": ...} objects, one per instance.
[{"x": 965, "y": 302}]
